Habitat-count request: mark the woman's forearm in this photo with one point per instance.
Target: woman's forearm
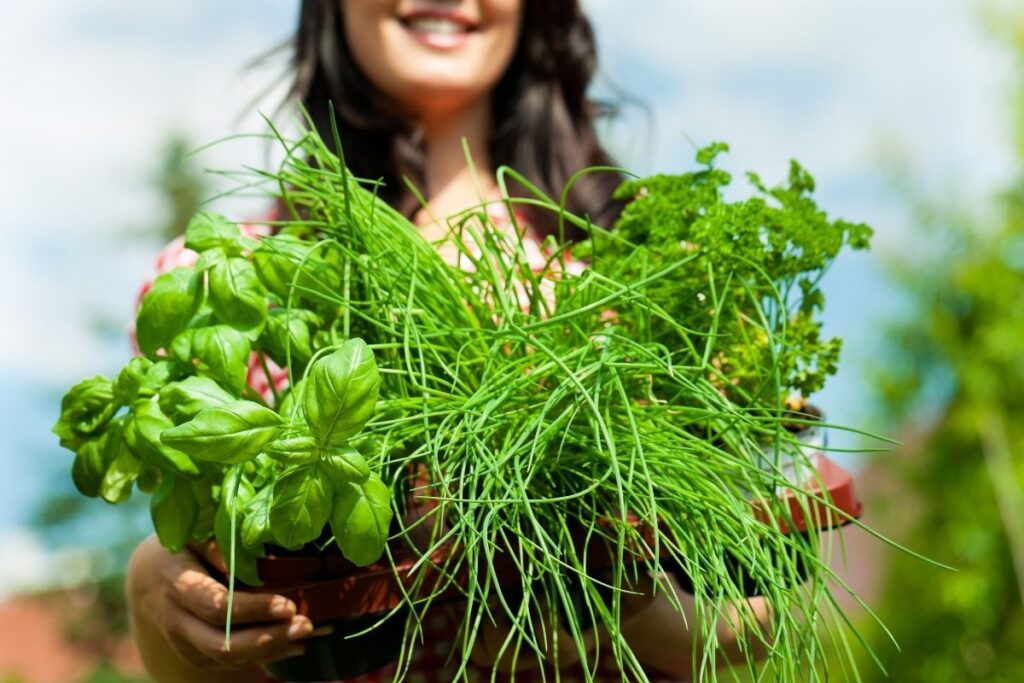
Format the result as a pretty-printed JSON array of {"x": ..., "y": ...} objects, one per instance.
[{"x": 662, "y": 641}]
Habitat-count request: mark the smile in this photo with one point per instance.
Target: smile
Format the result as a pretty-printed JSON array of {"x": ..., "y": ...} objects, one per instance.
[{"x": 439, "y": 29}]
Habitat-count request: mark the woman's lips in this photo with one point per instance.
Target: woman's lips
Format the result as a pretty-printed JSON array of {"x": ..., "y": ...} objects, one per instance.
[{"x": 439, "y": 30}]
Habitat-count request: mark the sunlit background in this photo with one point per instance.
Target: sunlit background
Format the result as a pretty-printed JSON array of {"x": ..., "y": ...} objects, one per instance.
[{"x": 889, "y": 104}]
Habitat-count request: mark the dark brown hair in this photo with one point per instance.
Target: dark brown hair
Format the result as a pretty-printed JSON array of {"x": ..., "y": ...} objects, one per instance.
[{"x": 543, "y": 120}]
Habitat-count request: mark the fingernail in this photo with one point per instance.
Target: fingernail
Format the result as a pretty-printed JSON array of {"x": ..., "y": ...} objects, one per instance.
[
  {"x": 300, "y": 629},
  {"x": 322, "y": 631},
  {"x": 282, "y": 608},
  {"x": 297, "y": 651}
]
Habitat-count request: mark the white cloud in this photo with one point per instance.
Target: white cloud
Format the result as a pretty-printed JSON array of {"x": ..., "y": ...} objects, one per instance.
[
  {"x": 826, "y": 82},
  {"x": 85, "y": 112}
]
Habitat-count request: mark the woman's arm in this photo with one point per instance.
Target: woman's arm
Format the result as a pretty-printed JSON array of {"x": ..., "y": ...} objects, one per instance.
[
  {"x": 658, "y": 636},
  {"x": 178, "y": 612},
  {"x": 662, "y": 641}
]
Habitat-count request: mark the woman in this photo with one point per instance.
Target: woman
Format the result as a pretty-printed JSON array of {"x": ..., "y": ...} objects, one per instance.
[{"x": 410, "y": 80}]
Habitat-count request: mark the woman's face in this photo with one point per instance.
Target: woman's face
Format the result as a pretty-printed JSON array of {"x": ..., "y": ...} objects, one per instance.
[{"x": 433, "y": 56}]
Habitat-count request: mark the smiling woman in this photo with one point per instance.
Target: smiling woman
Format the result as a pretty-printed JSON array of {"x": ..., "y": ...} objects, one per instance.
[
  {"x": 434, "y": 58},
  {"x": 408, "y": 79},
  {"x": 411, "y": 81}
]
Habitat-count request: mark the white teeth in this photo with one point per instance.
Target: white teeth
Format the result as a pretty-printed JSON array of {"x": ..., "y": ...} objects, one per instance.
[{"x": 436, "y": 25}]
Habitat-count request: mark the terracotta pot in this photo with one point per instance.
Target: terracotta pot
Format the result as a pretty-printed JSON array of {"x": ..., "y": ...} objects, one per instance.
[{"x": 343, "y": 654}]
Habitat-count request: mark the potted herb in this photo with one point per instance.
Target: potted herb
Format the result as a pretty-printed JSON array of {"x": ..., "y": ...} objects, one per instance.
[{"x": 219, "y": 460}]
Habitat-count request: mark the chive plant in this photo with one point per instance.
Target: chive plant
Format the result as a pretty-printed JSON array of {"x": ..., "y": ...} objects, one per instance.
[{"x": 578, "y": 430}]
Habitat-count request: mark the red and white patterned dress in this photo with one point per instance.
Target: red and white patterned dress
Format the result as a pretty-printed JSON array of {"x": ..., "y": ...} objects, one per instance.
[{"x": 436, "y": 658}]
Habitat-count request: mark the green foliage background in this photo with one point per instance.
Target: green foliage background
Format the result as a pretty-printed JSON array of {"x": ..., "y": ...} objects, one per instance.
[{"x": 959, "y": 360}]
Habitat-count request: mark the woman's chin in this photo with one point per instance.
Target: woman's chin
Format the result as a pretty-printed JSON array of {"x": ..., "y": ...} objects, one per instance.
[{"x": 436, "y": 95}]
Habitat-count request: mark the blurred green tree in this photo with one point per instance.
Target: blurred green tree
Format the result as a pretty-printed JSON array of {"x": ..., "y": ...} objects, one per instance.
[
  {"x": 182, "y": 186},
  {"x": 959, "y": 361}
]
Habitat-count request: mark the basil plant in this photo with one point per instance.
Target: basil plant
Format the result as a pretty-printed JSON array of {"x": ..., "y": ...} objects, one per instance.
[{"x": 219, "y": 460}]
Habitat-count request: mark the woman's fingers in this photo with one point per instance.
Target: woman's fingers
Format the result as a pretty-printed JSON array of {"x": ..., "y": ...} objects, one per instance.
[
  {"x": 209, "y": 553},
  {"x": 193, "y": 589},
  {"x": 202, "y": 643}
]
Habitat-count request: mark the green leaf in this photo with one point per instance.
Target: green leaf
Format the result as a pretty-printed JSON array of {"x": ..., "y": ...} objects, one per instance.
[
  {"x": 185, "y": 399},
  {"x": 149, "y": 478},
  {"x": 84, "y": 411},
  {"x": 290, "y": 401},
  {"x": 116, "y": 486},
  {"x": 346, "y": 464},
  {"x": 142, "y": 378},
  {"x": 229, "y": 434},
  {"x": 256, "y": 527},
  {"x": 245, "y": 567},
  {"x": 173, "y": 509},
  {"x": 277, "y": 261},
  {"x": 143, "y": 432},
  {"x": 236, "y": 490},
  {"x": 222, "y": 353},
  {"x": 209, "y": 230},
  {"x": 181, "y": 347},
  {"x": 91, "y": 463},
  {"x": 301, "y": 506},
  {"x": 289, "y": 331},
  {"x": 341, "y": 393},
  {"x": 206, "y": 509},
  {"x": 237, "y": 295},
  {"x": 167, "y": 309},
  {"x": 707, "y": 155},
  {"x": 210, "y": 258},
  {"x": 292, "y": 450},
  {"x": 360, "y": 520}
]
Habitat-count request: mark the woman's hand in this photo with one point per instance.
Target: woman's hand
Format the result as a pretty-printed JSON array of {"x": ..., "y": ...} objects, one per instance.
[{"x": 178, "y": 613}]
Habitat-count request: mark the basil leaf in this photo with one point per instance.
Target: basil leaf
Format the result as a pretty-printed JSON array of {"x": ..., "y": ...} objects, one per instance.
[
  {"x": 289, "y": 332},
  {"x": 301, "y": 506},
  {"x": 290, "y": 402},
  {"x": 236, "y": 293},
  {"x": 84, "y": 410},
  {"x": 183, "y": 400},
  {"x": 245, "y": 568},
  {"x": 142, "y": 378},
  {"x": 91, "y": 464},
  {"x": 347, "y": 464},
  {"x": 223, "y": 354},
  {"x": 116, "y": 486},
  {"x": 181, "y": 347},
  {"x": 276, "y": 260},
  {"x": 209, "y": 230},
  {"x": 149, "y": 478},
  {"x": 292, "y": 450},
  {"x": 167, "y": 309},
  {"x": 173, "y": 509},
  {"x": 236, "y": 490},
  {"x": 229, "y": 434},
  {"x": 360, "y": 520},
  {"x": 210, "y": 258},
  {"x": 206, "y": 509},
  {"x": 143, "y": 435},
  {"x": 341, "y": 393},
  {"x": 256, "y": 527},
  {"x": 261, "y": 470}
]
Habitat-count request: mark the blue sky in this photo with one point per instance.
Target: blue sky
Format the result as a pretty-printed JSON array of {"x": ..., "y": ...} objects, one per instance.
[{"x": 92, "y": 87}]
